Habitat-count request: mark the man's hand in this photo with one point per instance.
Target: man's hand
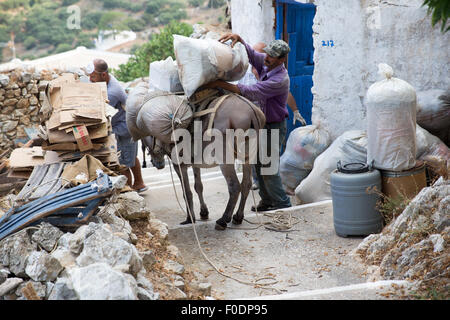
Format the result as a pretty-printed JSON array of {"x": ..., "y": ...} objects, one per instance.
[
  {"x": 297, "y": 116},
  {"x": 231, "y": 36}
]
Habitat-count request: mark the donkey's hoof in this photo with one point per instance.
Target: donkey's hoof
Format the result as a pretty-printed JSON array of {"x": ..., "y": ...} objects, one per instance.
[
  {"x": 236, "y": 220},
  {"x": 187, "y": 221},
  {"x": 204, "y": 214},
  {"x": 220, "y": 225}
]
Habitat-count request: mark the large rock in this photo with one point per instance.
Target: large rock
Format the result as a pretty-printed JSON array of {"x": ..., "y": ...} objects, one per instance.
[
  {"x": 99, "y": 281},
  {"x": 39, "y": 290},
  {"x": 119, "y": 226},
  {"x": 413, "y": 246},
  {"x": 63, "y": 290},
  {"x": 47, "y": 236},
  {"x": 65, "y": 257},
  {"x": 9, "y": 285},
  {"x": 132, "y": 206},
  {"x": 41, "y": 266},
  {"x": 103, "y": 246},
  {"x": 3, "y": 274},
  {"x": 14, "y": 252}
]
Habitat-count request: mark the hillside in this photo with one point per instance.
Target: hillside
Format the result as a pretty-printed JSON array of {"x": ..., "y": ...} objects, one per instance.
[{"x": 44, "y": 27}]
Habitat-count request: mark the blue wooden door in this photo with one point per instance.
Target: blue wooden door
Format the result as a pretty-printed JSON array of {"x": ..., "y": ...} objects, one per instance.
[{"x": 294, "y": 25}]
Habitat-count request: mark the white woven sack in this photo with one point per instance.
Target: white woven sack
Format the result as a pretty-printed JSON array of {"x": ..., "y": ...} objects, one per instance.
[
  {"x": 348, "y": 147},
  {"x": 135, "y": 100},
  {"x": 201, "y": 61},
  {"x": 161, "y": 113},
  {"x": 391, "y": 122},
  {"x": 163, "y": 75}
]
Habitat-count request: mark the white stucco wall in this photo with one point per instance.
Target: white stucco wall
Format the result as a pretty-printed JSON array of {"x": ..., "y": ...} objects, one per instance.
[
  {"x": 365, "y": 33},
  {"x": 253, "y": 20}
]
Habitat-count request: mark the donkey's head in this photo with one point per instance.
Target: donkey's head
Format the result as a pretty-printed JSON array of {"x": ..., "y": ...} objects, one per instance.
[{"x": 156, "y": 152}]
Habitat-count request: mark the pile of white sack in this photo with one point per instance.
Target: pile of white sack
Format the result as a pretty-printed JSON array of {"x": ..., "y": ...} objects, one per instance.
[
  {"x": 393, "y": 140},
  {"x": 351, "y": 146},
  {"x": 159, "y": 107}
]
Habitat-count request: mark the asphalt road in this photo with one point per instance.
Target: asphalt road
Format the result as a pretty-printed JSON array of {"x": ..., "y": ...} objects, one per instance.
[{"x": 252, "y": 261}]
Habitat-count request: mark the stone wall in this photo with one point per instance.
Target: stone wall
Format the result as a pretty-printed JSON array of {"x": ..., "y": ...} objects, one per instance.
[{"x": 19, "y": 104}]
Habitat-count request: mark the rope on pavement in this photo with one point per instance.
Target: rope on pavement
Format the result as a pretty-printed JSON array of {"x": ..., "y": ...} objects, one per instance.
[{"x": 254, "y": 283}]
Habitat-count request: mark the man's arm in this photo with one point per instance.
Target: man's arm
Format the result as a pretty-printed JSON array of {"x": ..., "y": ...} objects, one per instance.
[
  {"x": 223, "y": 85},
  {"x": 291, "y": 102}
]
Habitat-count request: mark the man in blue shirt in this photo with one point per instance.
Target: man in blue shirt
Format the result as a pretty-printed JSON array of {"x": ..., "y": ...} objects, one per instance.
[{"x": 98, "y": 72}]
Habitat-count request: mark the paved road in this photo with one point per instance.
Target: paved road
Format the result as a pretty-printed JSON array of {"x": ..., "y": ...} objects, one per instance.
[{"x": 311, "y": 262}]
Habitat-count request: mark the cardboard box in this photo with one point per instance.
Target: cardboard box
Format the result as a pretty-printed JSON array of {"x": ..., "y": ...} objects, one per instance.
[
  {"x": 60, "y": 136},
  {"x": 26, "y": 158},
  {"x": 81, "y": 135}
]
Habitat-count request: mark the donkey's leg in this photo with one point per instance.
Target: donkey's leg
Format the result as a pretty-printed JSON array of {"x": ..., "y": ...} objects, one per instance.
[
  {"x": 234, "y": 188},
  {"x": 198, "y": 186},
  {"x": 246, "y": 184},
  {"x": 187, "y": 194}
]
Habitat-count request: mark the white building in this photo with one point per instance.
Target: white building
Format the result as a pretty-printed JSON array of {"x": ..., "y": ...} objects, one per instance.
[
  {"x": 350, "y": 38},
  {"x": 69, "y": 60}
]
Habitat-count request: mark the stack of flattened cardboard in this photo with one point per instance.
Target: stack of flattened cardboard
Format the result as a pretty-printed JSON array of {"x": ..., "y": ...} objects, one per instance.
[{"x": 78, "y": 124}]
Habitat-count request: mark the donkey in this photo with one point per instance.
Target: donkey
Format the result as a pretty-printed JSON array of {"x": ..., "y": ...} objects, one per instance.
[{"x": 234, "y": 113}]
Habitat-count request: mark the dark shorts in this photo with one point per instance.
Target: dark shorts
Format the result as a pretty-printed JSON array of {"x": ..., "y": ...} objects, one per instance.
[{"x": 128, "y": 150}]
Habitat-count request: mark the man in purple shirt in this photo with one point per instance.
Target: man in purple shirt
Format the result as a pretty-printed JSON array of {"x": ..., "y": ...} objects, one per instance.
[{"x": 271, "y": 92}]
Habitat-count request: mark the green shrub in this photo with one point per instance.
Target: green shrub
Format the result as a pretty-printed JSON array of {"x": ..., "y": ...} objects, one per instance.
[
  {"x": 63, "y": 47},
  {"x": 30, "y": 42}
]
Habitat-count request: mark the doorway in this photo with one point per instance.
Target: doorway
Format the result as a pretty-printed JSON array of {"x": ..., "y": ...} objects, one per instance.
[{"x": 294, "y": 23}]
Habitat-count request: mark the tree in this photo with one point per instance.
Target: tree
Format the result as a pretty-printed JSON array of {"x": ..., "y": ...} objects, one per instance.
[
  {"x": 215, "y": 3},
  {"x": 196, "y": 3},
  {"x": 113, "y": 20},
  {"x": 439, "y": 10},
  {"x": 158, "y": 48}
]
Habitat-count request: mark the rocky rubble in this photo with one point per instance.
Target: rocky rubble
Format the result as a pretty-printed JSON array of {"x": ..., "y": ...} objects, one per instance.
[
  {"x": 97, "y": 261},
  {"x": 414, "y": 246}
]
